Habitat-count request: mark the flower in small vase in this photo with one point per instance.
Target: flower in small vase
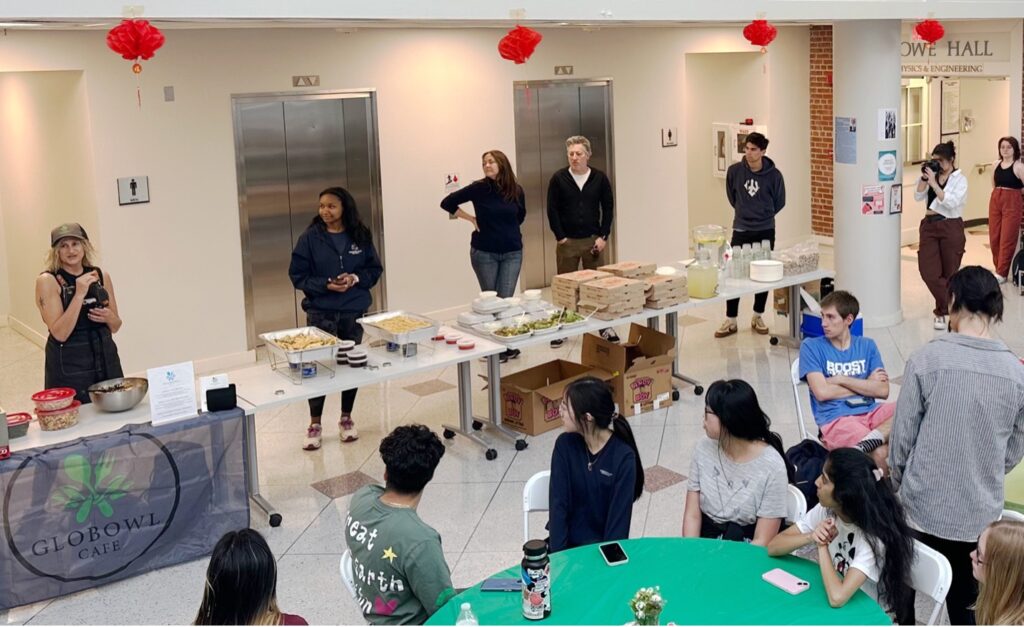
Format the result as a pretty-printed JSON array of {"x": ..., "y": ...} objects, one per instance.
[{"x": 646, "y": 605}]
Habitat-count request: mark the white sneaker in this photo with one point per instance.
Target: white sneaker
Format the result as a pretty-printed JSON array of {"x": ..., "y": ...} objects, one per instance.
[
  {"x": 940, "y": 323},
  {"x": 313, "y": 437},
  {"x": 728, "y": 328},
  {"x": 348, "y": 430}
]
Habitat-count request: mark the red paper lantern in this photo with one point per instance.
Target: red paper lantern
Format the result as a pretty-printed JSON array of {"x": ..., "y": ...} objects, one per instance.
[
  {"x": 519, "y": 44},
  {"x": 929, "y": 30},
  {"x": 135, "y": 40},
  {"x": 760, "y": 33}
]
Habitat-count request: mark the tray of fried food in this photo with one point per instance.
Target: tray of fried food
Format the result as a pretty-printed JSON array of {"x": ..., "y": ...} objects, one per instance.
[
  {"x": 301, "y": 345},
  {"x": 400, "y": 327}
]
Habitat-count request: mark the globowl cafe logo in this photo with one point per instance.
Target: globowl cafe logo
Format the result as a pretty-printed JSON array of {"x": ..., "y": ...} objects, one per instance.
[{"x": 84, "y": 519}]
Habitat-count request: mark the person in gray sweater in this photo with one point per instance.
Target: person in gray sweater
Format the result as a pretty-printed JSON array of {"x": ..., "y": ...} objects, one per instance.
[{"x": 958, "y": 430}]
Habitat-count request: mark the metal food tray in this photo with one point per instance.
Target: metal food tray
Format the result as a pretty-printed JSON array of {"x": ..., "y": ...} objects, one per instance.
[
  {"x": 409, "y": 337},
  {"x": 302, "y": 355}
]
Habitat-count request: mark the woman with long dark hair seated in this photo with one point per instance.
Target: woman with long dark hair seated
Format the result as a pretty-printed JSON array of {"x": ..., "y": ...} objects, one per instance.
[
  {"x": 596, "y": 474},
  {"x": 241, "y": 584},
  {"x": 860, "y": 531},
  {"x": 739, "y": 473}
]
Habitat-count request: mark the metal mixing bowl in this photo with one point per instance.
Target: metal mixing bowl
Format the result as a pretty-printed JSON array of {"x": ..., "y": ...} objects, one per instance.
[{"x": 118, "y": 400}]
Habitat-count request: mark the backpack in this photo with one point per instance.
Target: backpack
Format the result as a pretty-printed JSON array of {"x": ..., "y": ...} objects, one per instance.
[
  {"x": 808, "y": 458},
  {"x": 1016, "y": 266}
]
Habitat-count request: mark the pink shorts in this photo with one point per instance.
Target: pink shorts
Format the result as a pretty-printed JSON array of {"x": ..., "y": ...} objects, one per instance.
[{"x": 849, "y": 430}]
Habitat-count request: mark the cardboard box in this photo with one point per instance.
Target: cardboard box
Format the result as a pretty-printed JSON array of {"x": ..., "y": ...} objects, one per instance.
[
  {"x": 530, "y": 399},
  {"x": 780, "y": 296},
  {"x": 642, "y": 367},
  {"x": 612, "y": 290},
  {"x": 630, "y": 269}
]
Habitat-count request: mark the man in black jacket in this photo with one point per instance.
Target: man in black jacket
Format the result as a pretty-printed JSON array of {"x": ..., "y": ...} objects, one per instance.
[
  {"x": 757, "y": 192},
  {"x": 580, "y": 211}
]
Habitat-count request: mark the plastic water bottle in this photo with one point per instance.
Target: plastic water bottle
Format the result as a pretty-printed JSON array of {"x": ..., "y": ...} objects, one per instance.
[
  {"x": 755, "y": 251},
  {"x": 466, "y": 616}
]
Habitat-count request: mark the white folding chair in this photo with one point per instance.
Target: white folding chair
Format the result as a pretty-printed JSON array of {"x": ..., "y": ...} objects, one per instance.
[
  {"x": 1009, "y": 514},
  {"x": 796, "y": 504},
  {"x": 535, "y": 499},
  {"x": 794, "y": 373},
  {"x": 347, "y": 577},
  {"x": 931, "y": 575}
]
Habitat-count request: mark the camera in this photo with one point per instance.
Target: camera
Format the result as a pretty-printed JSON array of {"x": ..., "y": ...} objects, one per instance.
[{"x": 931, "y": 164}]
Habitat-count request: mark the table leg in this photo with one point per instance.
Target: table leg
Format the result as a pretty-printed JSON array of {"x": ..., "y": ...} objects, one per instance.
[
  {"x": 252, "y": 473},
  {"x": 672, "y": 326},
  {"x": 465, "y": 428},
  {"x": 795, "y": 313}
]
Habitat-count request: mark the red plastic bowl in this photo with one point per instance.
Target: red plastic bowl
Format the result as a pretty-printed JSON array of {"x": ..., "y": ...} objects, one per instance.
[
  {"x": 53, "y": 399},
  {"x": 17, "y": 424}
]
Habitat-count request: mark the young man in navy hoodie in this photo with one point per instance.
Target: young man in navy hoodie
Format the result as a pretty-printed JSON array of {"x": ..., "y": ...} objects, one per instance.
[{"x": 757, "y": 192}]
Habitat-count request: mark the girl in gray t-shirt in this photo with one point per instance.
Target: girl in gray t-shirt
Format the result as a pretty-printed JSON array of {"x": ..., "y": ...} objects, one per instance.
[{"x": 739, "y": 474}]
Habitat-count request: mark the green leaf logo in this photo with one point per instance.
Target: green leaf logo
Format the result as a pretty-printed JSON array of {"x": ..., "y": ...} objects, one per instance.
[{"x": 87, "y": 490}]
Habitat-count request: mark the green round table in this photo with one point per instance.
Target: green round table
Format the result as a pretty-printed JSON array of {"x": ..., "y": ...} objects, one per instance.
[{"x": 704, "y": 582}]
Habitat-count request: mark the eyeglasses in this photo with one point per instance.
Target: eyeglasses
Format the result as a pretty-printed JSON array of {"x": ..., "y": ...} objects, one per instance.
[{"x": 978, "y": 557}]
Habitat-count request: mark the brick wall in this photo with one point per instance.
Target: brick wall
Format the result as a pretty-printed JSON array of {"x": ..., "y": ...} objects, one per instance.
[{"x": 821, "y": 130}]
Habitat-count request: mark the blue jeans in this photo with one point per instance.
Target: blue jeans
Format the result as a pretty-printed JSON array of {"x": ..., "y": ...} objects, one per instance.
[{"x": 497, "y": 271}]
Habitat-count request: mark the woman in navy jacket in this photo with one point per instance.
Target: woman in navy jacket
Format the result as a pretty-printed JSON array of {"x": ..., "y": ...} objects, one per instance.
[{"x": 335, "y": 265}]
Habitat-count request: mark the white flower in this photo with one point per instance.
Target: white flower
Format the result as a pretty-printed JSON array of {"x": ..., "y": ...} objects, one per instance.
[
  {"x": 656, "y": 598},
  {"x": 640, "y": 614},
  {"x": 640, "y": 605}
]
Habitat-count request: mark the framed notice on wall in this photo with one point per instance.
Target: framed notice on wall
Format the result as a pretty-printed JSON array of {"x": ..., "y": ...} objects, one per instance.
[{"x": 949, "y": 105}]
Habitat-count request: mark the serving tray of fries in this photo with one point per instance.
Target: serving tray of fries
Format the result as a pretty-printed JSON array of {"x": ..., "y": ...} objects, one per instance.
[
  {"x": 302, "y": 345},
  {"x": 400, "y": 327}
]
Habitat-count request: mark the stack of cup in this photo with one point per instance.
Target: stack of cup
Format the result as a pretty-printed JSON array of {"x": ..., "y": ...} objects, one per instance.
[
  {"x": 357, "y": 358},
  {"x": 344, "y": 348}
]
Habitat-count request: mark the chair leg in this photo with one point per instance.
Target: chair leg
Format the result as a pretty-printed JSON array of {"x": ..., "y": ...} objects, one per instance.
[{"x": 934, "y": 618}]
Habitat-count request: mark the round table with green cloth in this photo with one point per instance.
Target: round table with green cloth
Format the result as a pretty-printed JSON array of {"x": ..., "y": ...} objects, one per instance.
[{"x": 704, "y": 582}]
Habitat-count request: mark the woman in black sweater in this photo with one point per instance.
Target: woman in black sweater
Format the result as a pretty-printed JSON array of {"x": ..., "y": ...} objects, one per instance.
[
  {"x": 496, "y": 245},
  {"x": 596, "y": 474}
]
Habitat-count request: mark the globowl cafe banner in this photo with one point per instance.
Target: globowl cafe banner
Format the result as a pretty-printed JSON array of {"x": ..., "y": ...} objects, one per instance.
[
  {"x": 958, "y": 53},
  {"x": 104, "y": 508}
]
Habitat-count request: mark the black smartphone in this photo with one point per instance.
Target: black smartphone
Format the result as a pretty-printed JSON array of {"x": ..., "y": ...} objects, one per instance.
[
  {"x": 501, "y": 584},
  {"x": 613, "y": 554}
]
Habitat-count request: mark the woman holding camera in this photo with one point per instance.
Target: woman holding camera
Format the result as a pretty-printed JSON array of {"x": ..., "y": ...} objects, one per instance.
[
  {"x": 1004, "y": 207},
  {"x": 942, "y": 239},
  {"x": 76, "y": 301}
]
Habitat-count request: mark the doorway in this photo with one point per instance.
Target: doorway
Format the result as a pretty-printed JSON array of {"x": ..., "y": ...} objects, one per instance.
[
  {"x": 288, "y": 148},
  {"x": 546, "y": 114}
]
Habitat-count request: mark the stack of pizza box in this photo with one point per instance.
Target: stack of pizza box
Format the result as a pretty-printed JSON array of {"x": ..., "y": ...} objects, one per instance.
[
  {"x": 565, "y": 288},
  {"x": 612, "y": 297},
  {"x": 665, "y": 290},
  {"x": 630, "y": 269}
]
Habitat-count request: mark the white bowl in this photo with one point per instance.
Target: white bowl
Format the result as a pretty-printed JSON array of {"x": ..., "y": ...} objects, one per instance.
[
  {"x": 531, "y": 295},
  {"x": 512, "y": 301},
  {"x": 488, "y": 295},
  {"x": 665, "y": 271},
  {"x": 766, "y": 270}
]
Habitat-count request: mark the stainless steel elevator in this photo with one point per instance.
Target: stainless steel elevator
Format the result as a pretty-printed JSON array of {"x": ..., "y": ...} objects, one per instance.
[
  {"x": 546, "y": 114},
  {"x": 288, "y": 148}
]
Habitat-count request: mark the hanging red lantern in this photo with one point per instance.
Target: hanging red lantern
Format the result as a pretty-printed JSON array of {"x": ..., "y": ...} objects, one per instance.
[
  {"x": 134, "y": 40},
  {"x": 929, "y": 30},
  {"x": 519, "y": 44},
  {"x": 760, "y": 33}
]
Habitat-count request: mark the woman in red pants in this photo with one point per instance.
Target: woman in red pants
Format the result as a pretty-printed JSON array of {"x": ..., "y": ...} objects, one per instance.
[{"x": 1004, "y": 207}]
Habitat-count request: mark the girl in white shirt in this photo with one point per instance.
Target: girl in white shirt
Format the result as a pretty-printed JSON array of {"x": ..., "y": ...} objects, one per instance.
[
  {"x": 942, "y": 239},
  {"x": 860, "y": 531}
]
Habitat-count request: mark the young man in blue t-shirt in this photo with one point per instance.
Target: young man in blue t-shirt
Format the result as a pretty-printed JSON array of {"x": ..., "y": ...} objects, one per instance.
[{"x": 846, "y": 375}]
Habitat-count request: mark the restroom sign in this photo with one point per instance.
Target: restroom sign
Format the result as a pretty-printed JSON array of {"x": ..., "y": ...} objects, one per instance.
[{"x": 132, "y": 190}]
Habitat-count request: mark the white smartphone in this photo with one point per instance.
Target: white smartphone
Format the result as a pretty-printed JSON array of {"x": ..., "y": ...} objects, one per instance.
[
  {"x": 785, "y": 581},
  {"x": 613, "y": 554}
]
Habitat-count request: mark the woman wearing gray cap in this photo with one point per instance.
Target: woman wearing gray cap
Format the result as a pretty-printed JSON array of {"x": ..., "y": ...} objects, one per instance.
[{"x": 76, "y": 301}]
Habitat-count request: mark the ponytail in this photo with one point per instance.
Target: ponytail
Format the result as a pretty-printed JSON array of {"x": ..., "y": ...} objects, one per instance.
[{"x": 622, "y": 430}]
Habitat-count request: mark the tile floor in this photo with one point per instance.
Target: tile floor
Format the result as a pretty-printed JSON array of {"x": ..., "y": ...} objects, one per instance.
[{"x": 472, "y": 502}]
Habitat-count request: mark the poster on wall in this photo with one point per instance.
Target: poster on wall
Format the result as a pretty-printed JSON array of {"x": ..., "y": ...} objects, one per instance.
[
  {"x": 846, "y": 140},
  {"x": 886, "y": 124},
  {"x": 872, "y": 200},
  {"x": 886, "y": 165},
  {"x": 949, "y": 104},
  {"x": 720, "y": 158},
  {"x": 896, "y": 199}
]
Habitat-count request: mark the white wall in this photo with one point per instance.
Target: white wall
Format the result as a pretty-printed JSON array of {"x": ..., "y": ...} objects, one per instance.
[
  {"x": 986, "y": 100},
  {"x": 46, "y": 177},
  {"x": 444, "y": 96}
]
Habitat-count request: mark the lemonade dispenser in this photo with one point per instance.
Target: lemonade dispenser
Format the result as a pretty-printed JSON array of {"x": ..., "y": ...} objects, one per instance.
[{"x": 710, "y": 238}]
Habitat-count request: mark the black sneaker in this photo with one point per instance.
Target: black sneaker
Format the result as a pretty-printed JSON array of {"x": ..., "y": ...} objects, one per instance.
[
  {"x": 513, "y": 353},
  {"x": 503, "y": 357},
  {"x": 557, "y": 343},
  {"x": 610, "y": 335}
]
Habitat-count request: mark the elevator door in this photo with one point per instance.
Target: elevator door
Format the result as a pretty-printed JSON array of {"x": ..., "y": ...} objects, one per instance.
[
  {"x": 546, "y": 114},
  {"x": 288, "y": 149}
]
